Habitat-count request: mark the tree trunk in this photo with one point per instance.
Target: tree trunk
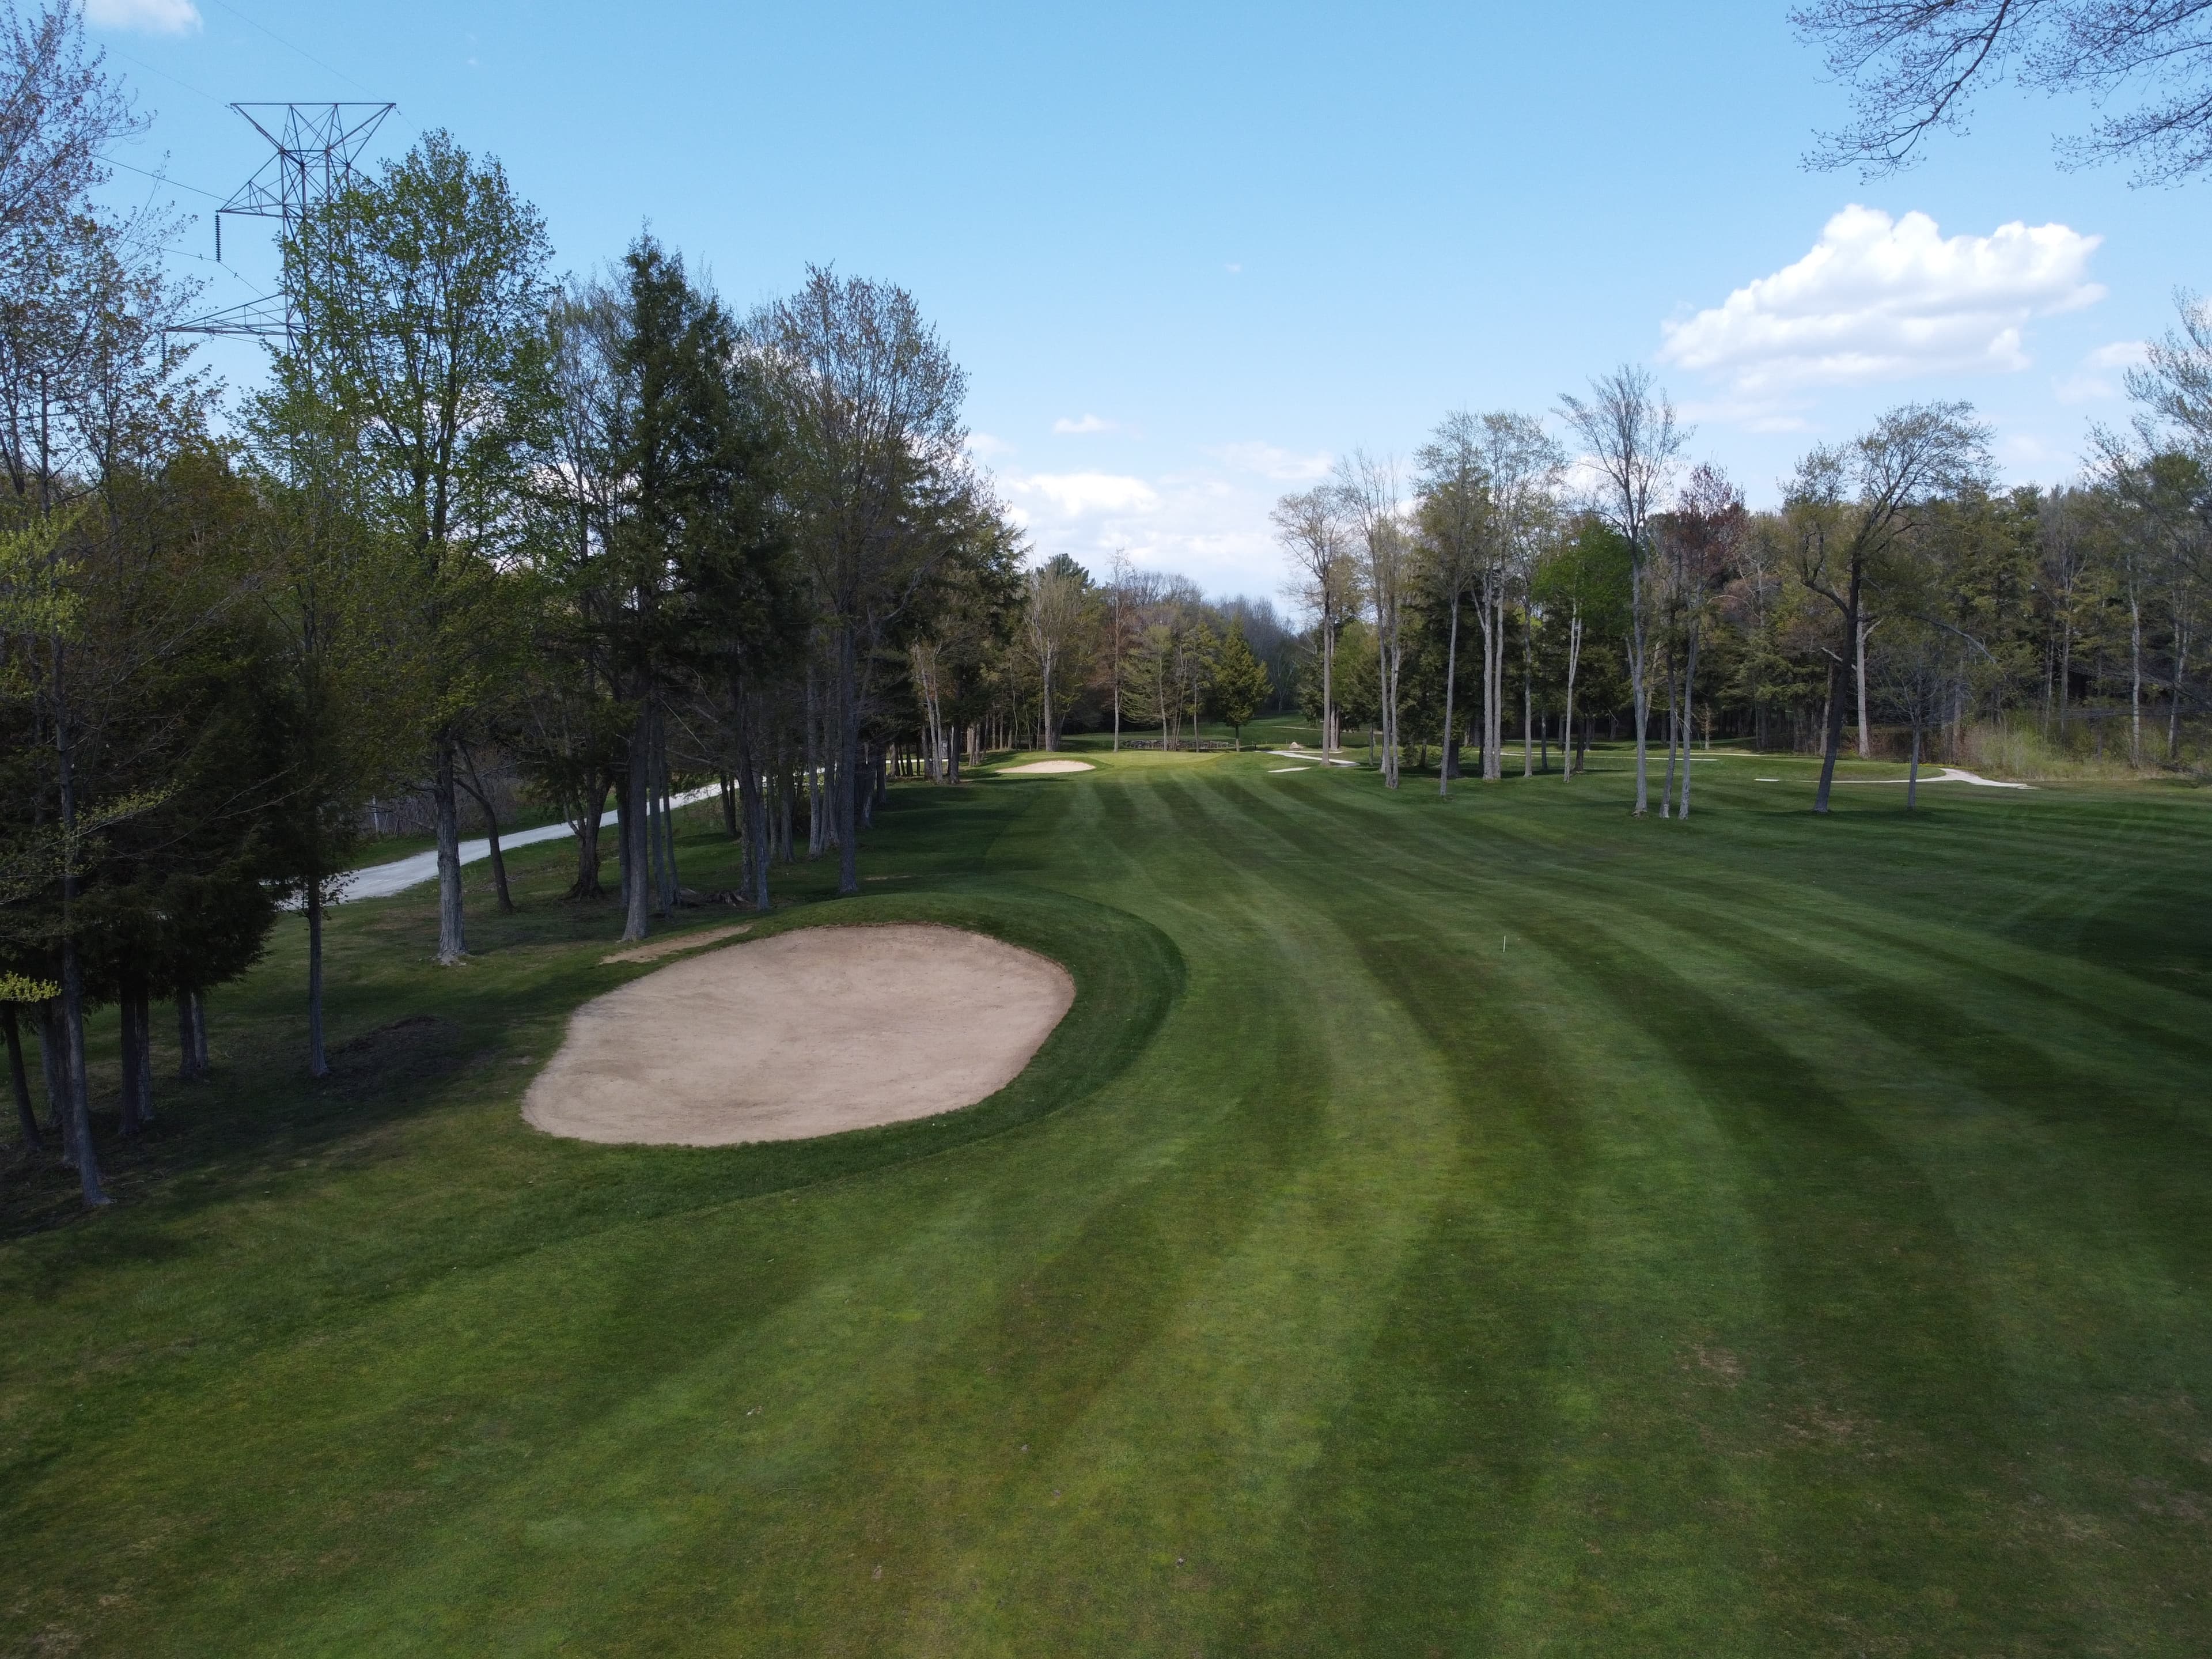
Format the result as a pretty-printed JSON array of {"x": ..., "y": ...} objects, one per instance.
[
  {"x": 26, "y": 1118},
  {"x": 79, "y": 1133},
  {"x": 1859, "y": 677},
  {"x": 2173, "y": 702},
  {"x": 1567, "y": 762},
  {"x": 586, "y": 885},
  {"x": 474, "y": 784},
  {"x": 2065, "y": 676},
  {"x": 80, "y": 1118},
  {"x": 53, "y": 1060},
  {"x": 1328, "y": 684},
  {"x": 1640, "y": 689},
  {"x": 849, "y": 760},
  {"x": 1451, "y": 671},
  {"x": 1689, "y": 707},
  {"x": 453, "y": 939},
  {"x": 319, "y": 1062},
  {"x": 141, "y": 1003},
  {"x": 1833, "y": 716},
  {"x": 637, "y": 790},
  {"x": 729, "y": 806},
  {"x": 1527, "y": 687},
  {"x": 188, "y": 1065},
  {"x": 1912, "y": 772},
  {"x": 2134, "y": 679}
]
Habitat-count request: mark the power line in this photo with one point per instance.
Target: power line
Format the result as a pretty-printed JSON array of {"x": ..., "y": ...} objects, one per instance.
[
  {"x": 165, "y": 76},
  {"x": 288, "y": 46},
  {"x": 160, "y": 177}
]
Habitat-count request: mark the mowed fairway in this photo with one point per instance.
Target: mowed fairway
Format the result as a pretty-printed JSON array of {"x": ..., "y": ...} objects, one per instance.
[{"x": 1494, "y": 1227}]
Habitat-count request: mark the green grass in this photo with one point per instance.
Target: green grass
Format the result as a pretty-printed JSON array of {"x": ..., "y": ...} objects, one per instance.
[{"x": 1484, "y": 1227}]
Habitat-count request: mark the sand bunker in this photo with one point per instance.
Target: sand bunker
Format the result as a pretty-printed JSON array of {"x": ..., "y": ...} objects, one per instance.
[
  {"x": 1040, "y": 769},
  {"x": 808, "y": 1033}
]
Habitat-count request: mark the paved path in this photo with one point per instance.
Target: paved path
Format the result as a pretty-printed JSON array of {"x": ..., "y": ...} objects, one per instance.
[{"x": 383, "y": 880}]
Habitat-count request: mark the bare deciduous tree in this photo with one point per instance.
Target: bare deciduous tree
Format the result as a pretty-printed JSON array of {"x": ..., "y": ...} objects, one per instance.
[
  {"x": 1311, "y": 528},
  {"x": 1855, "y": 504},
  {"x": 1913, "y": 66},
  {"x": 1366, "y": 489},
  {"x": 1631, "y": 439}
]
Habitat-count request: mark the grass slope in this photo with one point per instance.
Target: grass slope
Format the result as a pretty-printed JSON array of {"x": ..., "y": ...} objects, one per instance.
[{"x": 1485, "y": 1227}]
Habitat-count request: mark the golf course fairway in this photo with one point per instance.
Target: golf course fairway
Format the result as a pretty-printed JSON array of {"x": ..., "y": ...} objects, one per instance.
[{"x": 1491, "y": 1226}]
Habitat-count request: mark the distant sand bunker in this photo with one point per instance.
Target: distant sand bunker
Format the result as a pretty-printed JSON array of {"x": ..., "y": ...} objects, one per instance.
[
  {"x": 1039, "y": 768},
  {"x": 808, "y": 1033}
]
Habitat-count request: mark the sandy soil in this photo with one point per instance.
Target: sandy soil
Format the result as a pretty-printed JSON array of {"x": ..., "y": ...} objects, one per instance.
[
  {"x": 1040, "y": 769},
  {"x": 808, "y": 1033},
  {"x": 653, "y": 950}
]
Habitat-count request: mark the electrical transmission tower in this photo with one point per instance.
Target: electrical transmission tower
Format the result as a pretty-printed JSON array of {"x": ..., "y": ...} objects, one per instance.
[{"x": 316, "y": 145}]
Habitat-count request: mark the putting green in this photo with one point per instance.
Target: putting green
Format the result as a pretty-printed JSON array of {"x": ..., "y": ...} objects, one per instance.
[{"x": 1490, "y": 1226}]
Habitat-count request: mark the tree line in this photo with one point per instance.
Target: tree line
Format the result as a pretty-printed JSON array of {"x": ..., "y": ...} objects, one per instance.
[
  {"x": 1897, "y": 593},
  {"x": 597, "y": 529}
]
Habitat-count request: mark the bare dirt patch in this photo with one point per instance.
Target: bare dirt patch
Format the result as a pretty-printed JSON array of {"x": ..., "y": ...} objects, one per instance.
[
  {"x": 809, "y": 1033},
  {"x": 1045, "y": 768},
  {"x": 653, "y": 950}
]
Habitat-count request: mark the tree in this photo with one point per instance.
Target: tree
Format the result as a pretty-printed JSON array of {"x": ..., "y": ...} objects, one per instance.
[
  {"x": 1241, "y": 682},
  {"x": 1707, "y": 526},
  {"x": 1576, "y": 579},
  {"x": 59, "y": 113},
  {"x": 1367, "y": 491},
  {"x": 1455, "y": 520},
  {"x": 423, "y": 298},
  {"x": 1056, "y": 616},
  {"x": 1631, "y": 441},
  {"x": 1917, "y": 674},
  {"x": 1855, "y": 505},
  {"x": 1311, "y": 528},
  {"x": 1913, "y": 66},
  {"x": 875, "y": 478}
]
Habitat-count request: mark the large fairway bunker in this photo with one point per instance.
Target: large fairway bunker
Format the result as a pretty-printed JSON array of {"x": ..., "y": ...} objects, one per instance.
[{"x": 808, "y": 1033}]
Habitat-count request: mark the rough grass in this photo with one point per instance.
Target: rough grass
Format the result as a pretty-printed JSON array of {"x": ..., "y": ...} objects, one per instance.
[{"x": 1485, "y": 1227}]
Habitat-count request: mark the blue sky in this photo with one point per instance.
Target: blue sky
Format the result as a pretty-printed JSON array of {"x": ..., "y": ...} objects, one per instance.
[{"x": 1190, "y": 253}]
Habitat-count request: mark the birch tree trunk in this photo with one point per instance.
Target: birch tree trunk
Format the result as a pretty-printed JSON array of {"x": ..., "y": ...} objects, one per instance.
[
  {"x": 1689, "y": 707},
  {"x": 1574, "y": 662},
  {"x": 1451, "y": 673},
  {"x": 1859, "y": 673},
  {"x": 1912, "y": 772}
]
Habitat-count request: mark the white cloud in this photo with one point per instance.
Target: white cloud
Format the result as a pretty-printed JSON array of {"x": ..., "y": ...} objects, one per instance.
[
  {"x": 1879, "y": 298},
  {"x": 149, "y": 16},
  {"x": 1269, "y": 462},
  {"x": 1079, "y": 494},
  {"x": 1198, "y": 524},
  {"x": 1088, "y": 423},
  {"x": 2097, "y": 378},
  {"x": 983, "y": 446}
]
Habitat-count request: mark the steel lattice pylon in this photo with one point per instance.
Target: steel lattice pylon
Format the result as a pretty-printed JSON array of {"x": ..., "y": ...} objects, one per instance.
[{"x": 315, "y": 145}]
